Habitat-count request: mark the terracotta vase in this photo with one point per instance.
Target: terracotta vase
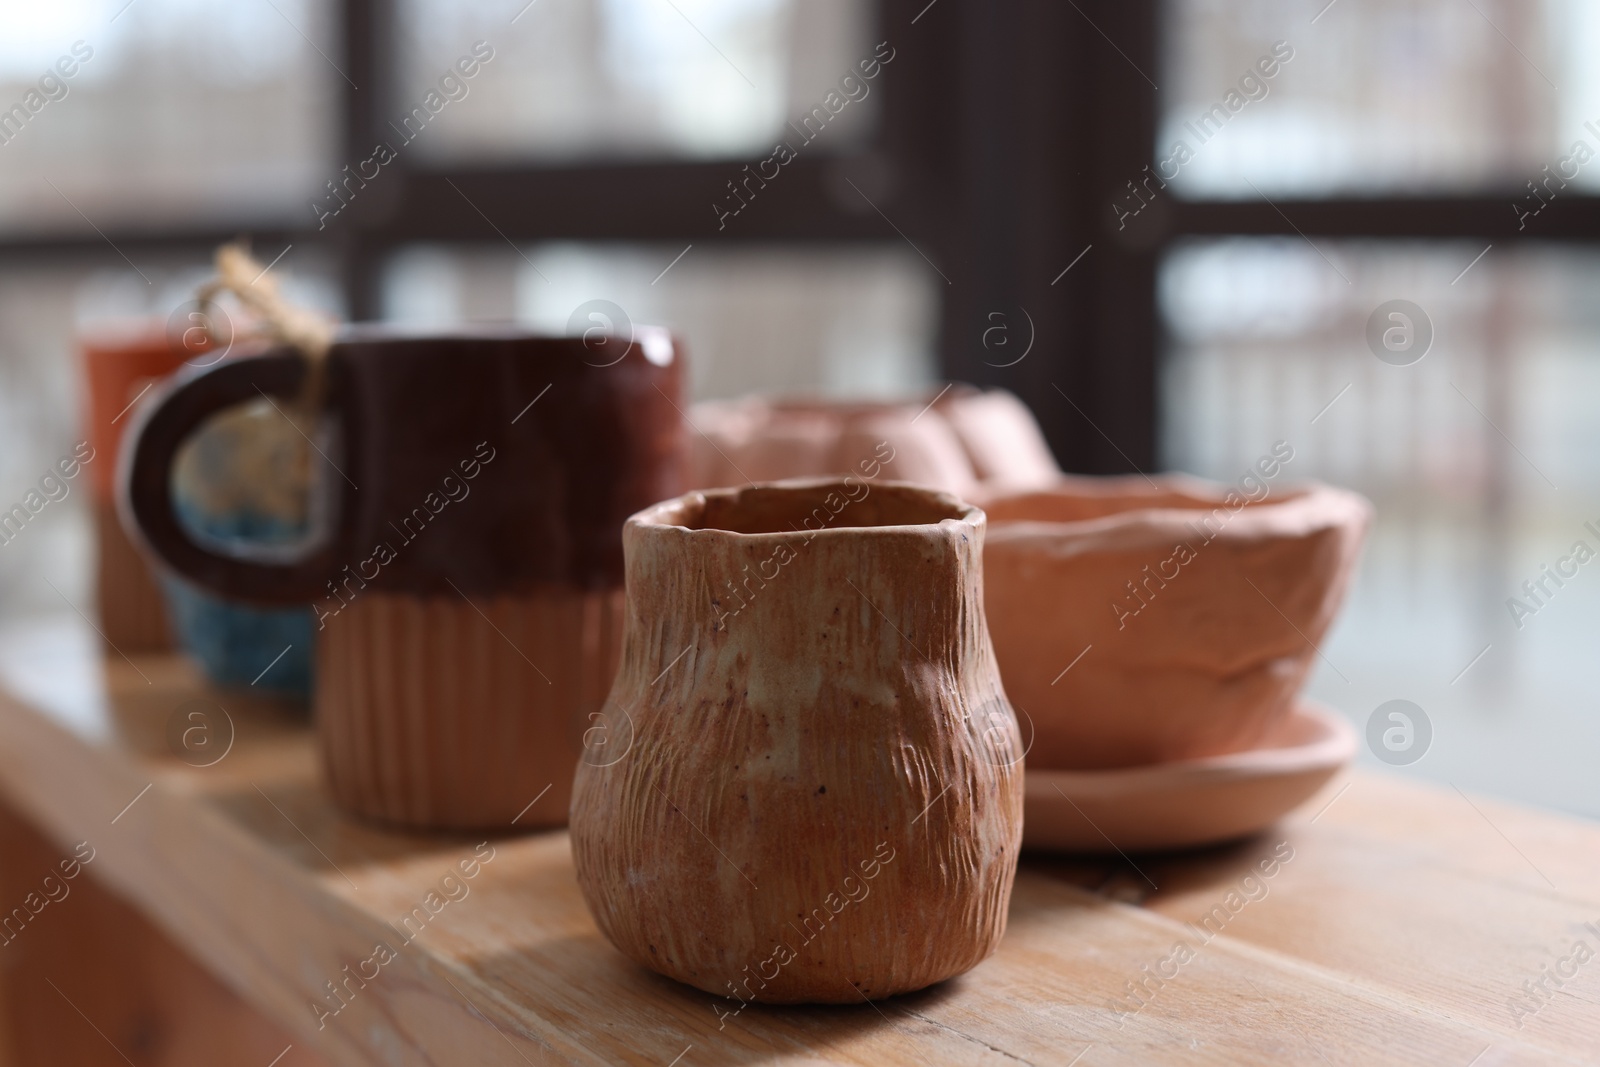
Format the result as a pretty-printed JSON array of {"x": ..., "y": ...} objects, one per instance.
[
  {"x": 119, "y": 368},
  {"x": 133, "y": 617},
  {"x": 960, "y": 440},
  {"x": 819, "y": 794},
  {"x": 1140, "y": 622}
]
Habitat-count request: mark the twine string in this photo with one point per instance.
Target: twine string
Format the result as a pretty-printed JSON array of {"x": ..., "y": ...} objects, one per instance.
[{"x": 257, "y": 289}]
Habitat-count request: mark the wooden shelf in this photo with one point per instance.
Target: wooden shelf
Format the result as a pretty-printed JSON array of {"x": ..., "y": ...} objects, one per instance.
[{"x": 1400, "y": 931}]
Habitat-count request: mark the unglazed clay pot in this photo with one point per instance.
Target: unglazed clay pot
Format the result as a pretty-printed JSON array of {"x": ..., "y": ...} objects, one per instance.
[
  {"x": 1139, "y": 621},
  {"x": 820, "y": 794},
  {"x": 1001, "y": 438},
  {"x": 119, "y": 367},
  {"x": 960, "y": 440}
]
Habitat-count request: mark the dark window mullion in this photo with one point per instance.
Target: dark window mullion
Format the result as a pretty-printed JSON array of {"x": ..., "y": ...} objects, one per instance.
[{"x": 367, "y": 56}]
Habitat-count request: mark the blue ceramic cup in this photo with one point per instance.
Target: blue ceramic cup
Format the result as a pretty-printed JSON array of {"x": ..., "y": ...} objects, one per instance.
[{"x": 242, "y": 483}]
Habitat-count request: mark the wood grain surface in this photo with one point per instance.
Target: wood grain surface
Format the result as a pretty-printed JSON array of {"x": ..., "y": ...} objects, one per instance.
[
  {"x": 1385, "y": 922},
  {"x": 88, "y": 981}
]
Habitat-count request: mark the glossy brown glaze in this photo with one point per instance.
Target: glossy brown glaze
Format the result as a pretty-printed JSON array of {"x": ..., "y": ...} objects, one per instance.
[
  {"x": 822, "y": 798},
  {"x": 492, "y": 462}
]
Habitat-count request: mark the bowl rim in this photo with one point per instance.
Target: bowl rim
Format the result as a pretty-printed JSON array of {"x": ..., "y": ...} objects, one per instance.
[{"x": 1295, "y": 510}]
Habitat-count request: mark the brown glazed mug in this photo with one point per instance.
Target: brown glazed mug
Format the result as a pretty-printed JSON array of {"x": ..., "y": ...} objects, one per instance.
[{"x": 466, "y": 567}]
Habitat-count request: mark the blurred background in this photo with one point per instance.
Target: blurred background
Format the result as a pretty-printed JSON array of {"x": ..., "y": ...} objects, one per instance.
[{"x": 1004, "y": 205}]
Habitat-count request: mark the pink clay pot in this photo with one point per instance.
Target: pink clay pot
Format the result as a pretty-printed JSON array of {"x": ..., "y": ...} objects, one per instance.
[
  {"x": 1128, "y": 636},
  {"x": 1001, "y": 438},
  {"x": 965, "y": 442}
]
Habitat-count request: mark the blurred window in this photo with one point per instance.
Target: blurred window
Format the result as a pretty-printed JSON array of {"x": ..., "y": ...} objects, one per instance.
[
  {"x": 842, "y": 321},
  {"x": 46, "y": 300},
  {"x": 1482, "y": 458},
  {"x": 1480, "y": 449},
  {"x": 1381, "y": 96},
  {"x": 137, "y": 134},
  {"x": 163, "y": 112},
  {"x": 588, "y": 79}
]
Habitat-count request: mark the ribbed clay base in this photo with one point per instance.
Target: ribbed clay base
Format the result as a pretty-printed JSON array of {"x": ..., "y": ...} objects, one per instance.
[{"x": 440, "y": 713}]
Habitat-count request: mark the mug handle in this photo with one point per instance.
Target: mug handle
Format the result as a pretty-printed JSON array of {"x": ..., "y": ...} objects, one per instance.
[{"x": 144, "y": 483}]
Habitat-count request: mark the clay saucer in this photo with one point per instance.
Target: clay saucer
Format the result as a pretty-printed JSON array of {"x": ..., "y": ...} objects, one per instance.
[{"x": 1188, "y": 802}]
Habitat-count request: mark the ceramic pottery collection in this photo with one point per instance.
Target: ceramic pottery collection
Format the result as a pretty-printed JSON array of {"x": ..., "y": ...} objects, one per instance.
[{"x": 774, "y": 714}]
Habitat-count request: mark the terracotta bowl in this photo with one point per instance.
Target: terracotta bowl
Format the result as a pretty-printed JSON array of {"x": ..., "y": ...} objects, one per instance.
[
  {"x": 961, "y": 440},
  {"x": 1142, "y": 621}
]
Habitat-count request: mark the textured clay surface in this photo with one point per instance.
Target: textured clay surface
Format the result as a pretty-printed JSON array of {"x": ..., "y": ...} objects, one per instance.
[
  {"x": 1196, "y": 620},
  {"x": 819, "y": 797}
]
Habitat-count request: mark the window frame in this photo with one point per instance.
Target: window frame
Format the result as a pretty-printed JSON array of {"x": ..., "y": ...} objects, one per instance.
[{"x": 1007, "y": 129}]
